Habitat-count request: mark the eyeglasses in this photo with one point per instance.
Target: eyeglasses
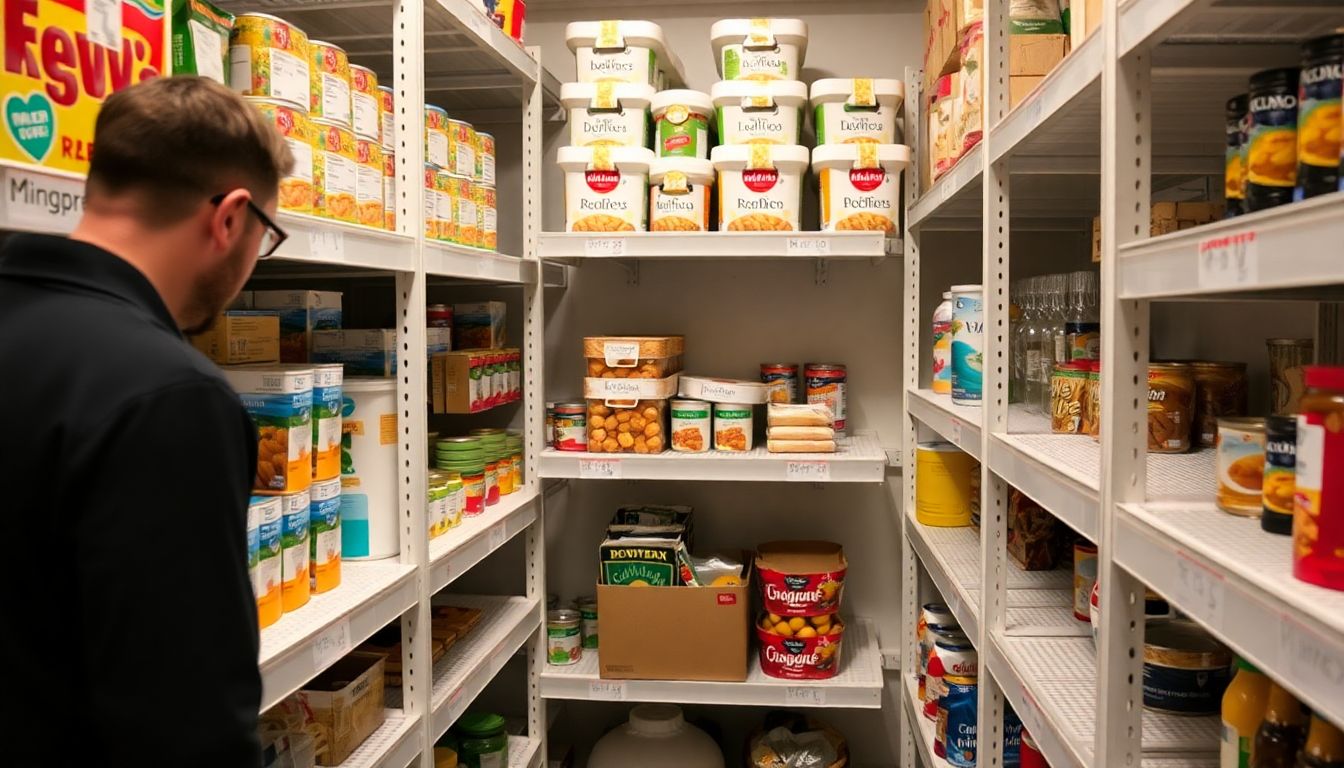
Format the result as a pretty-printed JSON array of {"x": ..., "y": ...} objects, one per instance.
[{"x": 271, "y": 239}]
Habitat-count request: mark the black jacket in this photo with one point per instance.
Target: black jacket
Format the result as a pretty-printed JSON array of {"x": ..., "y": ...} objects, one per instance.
[{"x": 126, "y": 462}]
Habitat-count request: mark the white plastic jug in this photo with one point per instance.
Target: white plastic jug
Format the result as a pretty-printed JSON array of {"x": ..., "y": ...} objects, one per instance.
[{"x": 656, "y": 736}]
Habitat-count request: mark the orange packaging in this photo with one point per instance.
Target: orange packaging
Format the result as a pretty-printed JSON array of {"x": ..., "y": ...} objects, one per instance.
[
  {"x": 57, "y": 74},
  {"x": 296, "y": 190},
  {"x": 489, "y": 217},
  {"x": 369, "y": 183},
  {"x": 389, "y": 191},
  {"x": 295, "y": 588},
  {"x": 444, "y": 208},
  {"x": 366, "y": 105},
  {"x": 335, "y": 171},
  {"x": 268, "y": 511},
  {"x": 329, "y": 78},
  {"x": 433, "y": 227},
  {"x": 387, "y": 116},
  {"x": 801, "y": 578},
  {"x": 800, "y": 648}
]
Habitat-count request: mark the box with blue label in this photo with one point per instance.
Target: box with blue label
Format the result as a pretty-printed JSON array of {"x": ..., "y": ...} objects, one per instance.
[
  {"x": 302, "y": 313},
  {"x": 371, "y": 352}
]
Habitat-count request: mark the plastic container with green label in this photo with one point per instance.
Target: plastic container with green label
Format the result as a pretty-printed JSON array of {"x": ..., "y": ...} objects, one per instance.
[{"x": 681, "y": 122}]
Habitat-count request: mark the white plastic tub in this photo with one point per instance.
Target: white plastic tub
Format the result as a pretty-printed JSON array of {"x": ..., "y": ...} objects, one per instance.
[
  {"x": 751, "y": 112},
  {"x": 759, "y": 49},
  {"x": 854, "y": 110},
  {"x": 607, "y": 114},
  {"x": 369, "y": 476},
  {"x": 679, "y": 193},
  {"x": 760, "y": 187},
  {"x": 606, "y": 188},
  {"x": 860, "y": 185},
  {"x": 681, "y": 123},
  {"x": 618, "y": 51}
]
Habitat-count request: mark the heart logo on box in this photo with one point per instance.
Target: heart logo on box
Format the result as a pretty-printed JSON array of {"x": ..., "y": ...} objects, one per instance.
[{"x": 31, "y": 123}]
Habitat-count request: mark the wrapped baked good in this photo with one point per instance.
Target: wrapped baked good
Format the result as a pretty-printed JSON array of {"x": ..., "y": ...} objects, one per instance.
[
  {"x": 800, "y": 433},
  {"x": 799, "y": 415},
  {"x": 800, "y": 446}
]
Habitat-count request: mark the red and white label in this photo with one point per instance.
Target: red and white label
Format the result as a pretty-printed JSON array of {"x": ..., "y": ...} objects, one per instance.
[
  {"x": 602, "y": 182},
  {"x": 760, "y": 179},
  {"x": 1229, "y": 261},
  {"x": 726, "y": 599},
  {"x": 867, "y": 179}
]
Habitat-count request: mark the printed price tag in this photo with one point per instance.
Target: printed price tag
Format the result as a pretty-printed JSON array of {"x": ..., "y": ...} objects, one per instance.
[
  {"x": 807, "y": 471},
  {"x": 497, "y": 535},
  {"x": 807, "y": 246},
  {"x": 600, "y": 469},
  {"x": 804, "y": 696},
  {"x": 1199, "y": 591},
  {"x": 604, "y": 246},
  {"x": 607, "y": 690},
  {"x": 1309, "y": 656},
  {"x": 326, "y": 245},
  {"x": 331, "y": 645},
  {"x": 104, "y": 20},
  {"x": 35, "y": 201},
  {"x": 1229, "y": 261}
]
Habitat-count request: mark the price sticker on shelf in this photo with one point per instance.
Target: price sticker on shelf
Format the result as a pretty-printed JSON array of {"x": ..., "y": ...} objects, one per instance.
[
  {"x": 807, "y": 471},
  {"x": 497, "y": 536},
  {"x": 600, "y": 469},
  {"x": 1309, "y": 657},
  {"x": 326, "y": 245},
  {"x": 807, "y": 246},
  {"x": 1199, "y": 590},
  {"x": 607, "y": 690},
  {"x": 331, "y": 645},
  {"x": 804, "y": 696},
  {"x": 604, "y": 246},
  {"x": 1229, "y": 261}
]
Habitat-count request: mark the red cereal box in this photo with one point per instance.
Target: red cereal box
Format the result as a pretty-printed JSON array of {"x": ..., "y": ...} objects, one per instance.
[{"x": 801, "y": 578}]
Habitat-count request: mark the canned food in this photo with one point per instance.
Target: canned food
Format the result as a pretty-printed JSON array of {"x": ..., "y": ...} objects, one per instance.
[
  {"x": 1068, "y": 397},
  {"x": 943, "y": 485},
  {"x": 366, "y": 116},
  {"x": 369, "y": 208},
  {"x": 564, "y": 642},
  {"x": 1185, "y": 670},
  {"x": 1084, "y": 576},
  {"x": 783, "y": 381},
  {"x": 587, "y": 607},
  {"x": 268, "y": 57},
  {"x": 549, "y": 431},
  {"x": 329, "y": 98},
  {"x": 464, "y": 210},
  {"x": 1271, "y": 171},
  {"x": 801, "y": 649},
  {"x": 1241, "y": 465},
  {"x": 968, "y": 343},
  {"x": 958, "y": 657},
  {"x": 461, "y": 153},
  {"x": 1288, "y": 359},
  {"x": 1234, "y": 173},
  {"x": 432, "y": 223},
  {"x": 389, "y": 191},
  {"x": 296, "y": 189},
  {"x": 1220, "y": 391},
  {"x": 956, "y": 728},
  {"x": 478, "y": 199},
  {"x": 489, "y": 217},
  {"x": 334, "y": 171},
  {"x": 436, "y": 136},
  {"x": 485, "y": 155},
  {"x": 1092, "y": 407},
  {"x": 826, "y": 383},
  {"x": 387, "y": 115},
  {"x": 1171, "y": 406},
  {"x": 571, "y": 426},
  {"x": 1318, "y": 117},
  {"x": 732, "y": 427},
  {"x": 690, "y": 426},
  {"x": 445, "y": 211},
  {"x": 1280, "y": 483},
  {"x": 439, "y": 316}
]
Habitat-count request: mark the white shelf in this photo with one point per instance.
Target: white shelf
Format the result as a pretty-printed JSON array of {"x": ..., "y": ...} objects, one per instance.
[
  {"x": 858, "y": 686},
  {"x": 1154, "y": 21},
  {"x": 1291, "y": 246},
  {"x": 314, "y": 240},
  {"x": 457, "y": 551},
  {"x": 448, "y": 260},
  {"x": 1058, "y": 92},
  {"x": 951, "y": 556},
  {"x": 393, "y": 745},
  {"x": 922, "y": 728},
  {"x": 470, "y": 665},
  {"x": 958, "y": 424},
  {"x": 858, "y": 459},
  {"x": 371, "y": 595},
  {"x": 524, "y": 752},
  {"x": 1237, "y": 580},
  {"x": 960, "y": 185},
  {"x": 716, "y": 245}
]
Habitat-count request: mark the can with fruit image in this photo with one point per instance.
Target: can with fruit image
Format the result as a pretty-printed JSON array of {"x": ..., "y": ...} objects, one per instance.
[
  {"x": 296, "y": 189},
  {"x": 268, "y": 57}
]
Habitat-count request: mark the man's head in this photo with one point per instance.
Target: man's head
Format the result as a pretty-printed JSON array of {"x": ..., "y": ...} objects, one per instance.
[{"x": 179, "y": 164}]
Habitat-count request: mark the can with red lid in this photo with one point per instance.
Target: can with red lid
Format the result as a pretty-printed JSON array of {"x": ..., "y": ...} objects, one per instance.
[
  {"x": 439, "y": 316},
  {"x": 826, "y": 383}
]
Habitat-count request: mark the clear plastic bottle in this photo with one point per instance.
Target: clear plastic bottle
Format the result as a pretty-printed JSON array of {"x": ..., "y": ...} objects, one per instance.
[
  {"x": 1016, "y": 374},
  {"x": 1050, "y": 342},
  {"x": 1083, "y": 326},
  {"x": 1031, "y": 345}
]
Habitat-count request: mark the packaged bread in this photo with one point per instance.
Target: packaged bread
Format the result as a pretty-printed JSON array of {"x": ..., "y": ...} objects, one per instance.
[
  {"x": 799, "y": 415},
  {"x": 800, "y": 446},
  {"x": 800, "y": 433}
]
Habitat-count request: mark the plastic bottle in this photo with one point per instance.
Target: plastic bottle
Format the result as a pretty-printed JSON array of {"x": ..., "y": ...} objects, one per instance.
[
  {"x": 1050, "y": 337},
  {"x": 1243, "y": 708},
  {"x": 1016, "y": 378},
  {"x": 1324, "y": 747},
  {"x": 1082, "y": 327},
  {"x": 942, "y": 346},
  {"x": 1031, "y": 345},
  {"x": 1281, "y": 733}
]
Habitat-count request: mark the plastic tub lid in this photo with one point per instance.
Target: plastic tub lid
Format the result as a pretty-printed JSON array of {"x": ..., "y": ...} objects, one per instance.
[
  {"x": 977, "y": 288},
  {"x": 581, "y": 95},
  {"x": 892, "y": 157},
  {"x": 625, "y": 159},
  {"x": 888, "y": 92},
  {"x": 697, "y": 171},
  {"x": 696, "y": 100},
  {"x": 480, "y": 724},
  {"x": 788, "y": 31},
  {"x": 640, "y": 34},
  {"x": 734, "y": 157},
  {"x": 789, "y": 93}
]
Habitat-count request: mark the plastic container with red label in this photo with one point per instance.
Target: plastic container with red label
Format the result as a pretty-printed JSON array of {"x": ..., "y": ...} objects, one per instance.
[
  {"x": 809, "y": 652},
  {"x": 801, "y": 578}
]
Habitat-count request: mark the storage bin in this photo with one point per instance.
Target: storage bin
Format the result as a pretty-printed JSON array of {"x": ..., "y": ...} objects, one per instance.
[
  {"x": 860, "y": 185},
  {"x": 756, "y": 112},
  {"x": 759, "y": 49},
  {"x": 620, "y": 51},
  {"x": 640, "y": 357},
  {"x": 607, "y": 114},
  {"x": 760, "y": 187},
  {"x": 606, "y": 188},
  {"x": 860, "y": 109}
]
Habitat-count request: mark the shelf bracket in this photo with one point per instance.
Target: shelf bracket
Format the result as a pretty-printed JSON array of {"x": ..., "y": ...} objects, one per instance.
[{"x": 823, "y": 273}]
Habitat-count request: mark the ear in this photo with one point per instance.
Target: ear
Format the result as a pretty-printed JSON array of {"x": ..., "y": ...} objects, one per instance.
[{"x": 228, "y": 220}]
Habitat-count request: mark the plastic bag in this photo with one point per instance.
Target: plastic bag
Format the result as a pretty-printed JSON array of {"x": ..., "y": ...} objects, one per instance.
[{"x": 782, "y": 748}]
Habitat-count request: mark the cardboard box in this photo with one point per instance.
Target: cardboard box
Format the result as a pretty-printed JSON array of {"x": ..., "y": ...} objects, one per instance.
[
  {"x": 370, "y": 352},
  {"x": 1165, "y": 217},
  {"x": 1020, "y": 87},
  {"x": 1092, "y": 16},
  {"x": 940, "y": 41},
  {"x": 1036, "y": 54},
  {"x": 967, "y": 12},
  {"x": 301, "y": 313},
  {"x": 645, "y": 632},
  {"x": 480, "y": 325},
  {"x": 346, "y": 702},
  {"x": 241, "y": 336}
]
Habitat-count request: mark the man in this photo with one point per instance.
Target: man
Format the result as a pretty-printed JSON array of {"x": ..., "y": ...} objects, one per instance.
[{"x": 126, "y": 460}]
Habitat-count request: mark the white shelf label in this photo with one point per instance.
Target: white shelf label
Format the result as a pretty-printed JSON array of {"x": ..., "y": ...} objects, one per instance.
[
  {"x": 331, "y": 645},
  {"x": 40, "y": 202},
  {"x": 807, "y": 471},
  {"x": 604, "y": 246},
  {"x": 808, "y": 246},
  {"x": 600, "y": 469},
  {"x": 804, "y": 696},
  {"x": 455, "y": 701},
  {"x": 1309, "y": 657},
  {"x": 1229, "y": 261},
  {"x": 1199, "y": 591},
  {"x": 480, "y": 25},
  {"x": 607, "y": 690},
  {"x": 497, "y": 536},
  {"x": 956, "y": 431},
  {"x": 326, "y": 245}
]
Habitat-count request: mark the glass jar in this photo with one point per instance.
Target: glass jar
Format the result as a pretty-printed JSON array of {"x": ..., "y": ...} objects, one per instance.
[
  {"x": 482, "y": 740},
  {"x": 456, "y": 504},
  {"x": 1318, "y": 517},
  {"x": 514, "y": 443}
]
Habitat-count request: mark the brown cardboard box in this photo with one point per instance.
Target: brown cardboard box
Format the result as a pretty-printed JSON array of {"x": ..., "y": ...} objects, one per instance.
[
  {"x": 675, "y": 633},
  {"x": 940, "y": 40},
  {"x": 967, "y": 12},
  {"x": 1165, "y": 217},
  {"x": 1035, "y": 54},
  {"x": 453, "y": 386},
  {"x": 1093, "y": 20},
  {"x": 1020, "y": 87},
  {"x": 346, "y": 702},
  {"x": 241, "y": 336}
]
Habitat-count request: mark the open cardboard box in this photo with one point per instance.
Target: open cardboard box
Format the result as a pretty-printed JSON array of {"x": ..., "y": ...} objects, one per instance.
[{"x": 675, "y": 633}]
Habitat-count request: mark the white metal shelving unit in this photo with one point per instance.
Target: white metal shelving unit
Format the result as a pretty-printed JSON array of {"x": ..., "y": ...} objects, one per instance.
[
  {"x": 574, "y": 246},
  {"x": 1141, "y": 97}
]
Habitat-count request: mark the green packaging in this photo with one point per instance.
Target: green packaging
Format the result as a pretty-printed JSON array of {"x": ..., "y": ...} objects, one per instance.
[{"x": 200, "y": 37}]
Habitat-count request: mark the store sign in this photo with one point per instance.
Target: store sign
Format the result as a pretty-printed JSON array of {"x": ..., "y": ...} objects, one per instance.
[{"x": 41, "y": 202}]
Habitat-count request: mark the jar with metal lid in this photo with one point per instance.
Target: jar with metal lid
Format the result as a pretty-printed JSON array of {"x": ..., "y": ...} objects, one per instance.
[
  {"x": 1241, "y": 465},
  {"x": 1318, "y": 515},
  {"x": 571, "y": 426},
  {"x": 564, "y": 642},
  {"x": 548, "y": 432},
  {"x": 482, "y": 740},
  {"x": 1271, "y": 171},
  {"x": 1171, "y": 407}
]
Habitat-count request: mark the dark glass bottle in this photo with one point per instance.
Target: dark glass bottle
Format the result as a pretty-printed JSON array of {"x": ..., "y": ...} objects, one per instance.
[
  {"x": 1324, "y": 747},
  {"x": 1282, "y": 731}
]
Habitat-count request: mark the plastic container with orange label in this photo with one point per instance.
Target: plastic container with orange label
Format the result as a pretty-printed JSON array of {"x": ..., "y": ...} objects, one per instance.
[
  {"x": 801, "y": 578},
  {"x": 294, "y": 585}
]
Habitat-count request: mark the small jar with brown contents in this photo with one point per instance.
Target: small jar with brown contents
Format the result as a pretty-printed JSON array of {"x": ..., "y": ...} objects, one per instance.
[
  {"x": 627, "y": 426},
  {"x": 1220, "y": 392},
  {"x": 1171, "y": 407}
]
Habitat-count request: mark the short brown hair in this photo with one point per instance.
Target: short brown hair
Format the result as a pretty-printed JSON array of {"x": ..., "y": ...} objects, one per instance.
[{"x": 175, "y": 141}]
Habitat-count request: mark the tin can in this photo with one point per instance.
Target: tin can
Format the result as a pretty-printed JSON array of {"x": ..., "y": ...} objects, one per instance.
[
  {"x": 1318, "y": 116},
  {"x": 268, "y": 57},
  {"x": 943, "y": 485},
  {"x": 587, "y": 607},
  {"x": 439, "y": 316},
  {"x": 1084, "y": 576},
  {"x": 387, "y": 116},
  {"x": 957, "y": 722},
  {"x": 1031, "y": 756},
  {"x": 968, "y": 343},
  {"x": 488, "y": 213},
  {"x": 1271, "y": 170},
  {"x": 461, "y": 152},
  {"x": 571, "y": 426},
  {"x": 436, "y": 136},
  {"x": 1234, "y": 173},
  {"x": 389, "y": 191},
  {"x": 1287, "y": 361},
  {"x": 1068, "y": 397},
  {"x": 366, "y": 112},
  {"x": 478, "y": 198},
  {"x": 295, "y": 584},
  {"x": 826, "y": 383},
  {"x": 936, "y": 614},
  {"x": 329, "y": 75},
  {"x": 335, "y": 172},
  {"x": 444, "y": 210},
  {"x": 296, "y": 189},
  {"x": 1280, "y": 483},
  {"x": 1241, "y": 465},
  {"x": 464, "y": 210},
  {"x": 1012, "y": 737},
  {"x": 485, "y": 155},
  {"x": 1171, "y": 407},
  {"x": 432, "y": 223},
  {"x": 783, "y": 381},
  {"x": 369, "y": 208},
  {"x": 324, "y": 534},
  {"x": 564, "y": 641},
  {"x": 266, "y": 584},
  {"x": 732, "y": 427},
  {"x": 690, "y": 426},
  {"x": 959, "y": 657}
]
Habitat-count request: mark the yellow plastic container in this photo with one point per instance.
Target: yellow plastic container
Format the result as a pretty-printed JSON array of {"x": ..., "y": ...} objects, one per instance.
[{"x": 943, "y": 485}]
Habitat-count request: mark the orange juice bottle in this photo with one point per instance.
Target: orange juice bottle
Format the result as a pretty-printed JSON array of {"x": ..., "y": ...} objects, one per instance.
[{"x": 1243, "y": 708}]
